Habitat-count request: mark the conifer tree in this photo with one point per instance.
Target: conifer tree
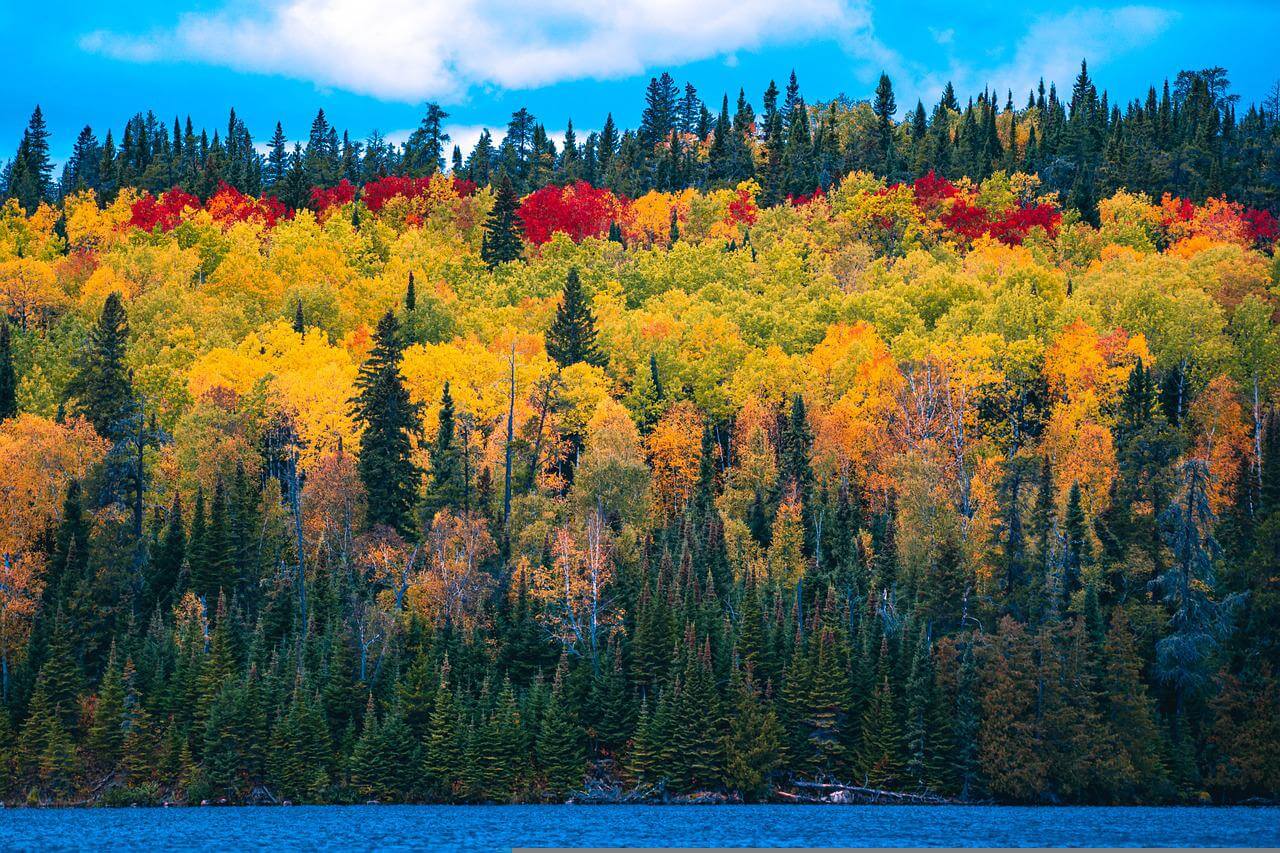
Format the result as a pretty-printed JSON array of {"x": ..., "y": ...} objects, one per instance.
[
  {"x": 881, "y": 733},
  {"x": 102, "y": 387},
  {"x": 502, "y": 241},
  {"x": 504, "y": 748},
  {"x": 826, "y": 707},
  {"x": 106, "y": 734},
  {"x": 572, "y": 336},
  {"x": 884, "y": 106},
  {"x": 382, "y": 404},
  {"x": 754, "y": 751},
  {"x": 448, "y": 488},
  {"x": 442, "y": 747},
  {"x": 560, "y": 743}
]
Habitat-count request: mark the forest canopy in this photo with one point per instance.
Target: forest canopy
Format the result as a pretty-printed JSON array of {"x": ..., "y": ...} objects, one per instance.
[{"x": 937, "y": 454}]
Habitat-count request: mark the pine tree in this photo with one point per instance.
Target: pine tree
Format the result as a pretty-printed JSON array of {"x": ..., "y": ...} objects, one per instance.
[
  {"x": 389, "y": 417},
  {"x": 502, "y": 241},
  {"x": 572, "y": 336}
]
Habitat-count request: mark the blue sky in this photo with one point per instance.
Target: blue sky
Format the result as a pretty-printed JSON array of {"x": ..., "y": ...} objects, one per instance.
[{"x": 372, "y": 63}]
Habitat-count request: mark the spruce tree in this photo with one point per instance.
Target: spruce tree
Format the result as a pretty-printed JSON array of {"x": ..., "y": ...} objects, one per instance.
[
  {"x": 572, "y": 336},
  {"x": 754, "y": 751},
  {"x": 106, "y": 734},
  {"x": 447, "y": 489},
  {"x": 825, "y": 707},
  {"x": 383, "y": 406},
  {"x": 502, "y": 241},
  {"x": 884, "y": 106},
  {"x": 102, "y": 386},
  {"x": 505, "y": 748},
  {"x": 881, "y": 734},
  {"x": 559, "y": 747},
  {"x": 442, "y": 747}
]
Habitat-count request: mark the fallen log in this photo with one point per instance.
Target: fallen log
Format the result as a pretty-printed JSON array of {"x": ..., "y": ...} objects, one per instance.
[{"x": 837, "y": 792}]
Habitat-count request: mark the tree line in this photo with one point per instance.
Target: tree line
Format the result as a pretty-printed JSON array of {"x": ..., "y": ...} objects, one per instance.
[
  {"x": 448, "y": 494},
  {"x": 1186, "y": 137}
]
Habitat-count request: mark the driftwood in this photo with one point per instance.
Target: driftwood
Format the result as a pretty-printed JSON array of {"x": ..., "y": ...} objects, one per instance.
[{"x": 835, "y": 792}]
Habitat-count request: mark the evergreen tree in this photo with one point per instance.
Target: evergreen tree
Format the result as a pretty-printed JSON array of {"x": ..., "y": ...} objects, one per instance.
[
  {"x": 382, "y": 404},
  {"x": 572, "y": 336},
  {"x": 442, "y": 748},
  {"x": 559, "y": 746},
  {"x": 102, "y": 385},
  {"x": 881, "y": 734},
  {"x": 754, "y": 751},
  {"x": 424, "y": 150},
  {"x": 106, "y": 734},
  {"x": 502, "y": 241},
  {"x": 448, "y": 488},
  {"x": 884, "y": 106}
]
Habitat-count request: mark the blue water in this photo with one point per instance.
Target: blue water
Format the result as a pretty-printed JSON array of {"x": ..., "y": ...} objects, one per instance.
[{"x": 504, "y": 827}]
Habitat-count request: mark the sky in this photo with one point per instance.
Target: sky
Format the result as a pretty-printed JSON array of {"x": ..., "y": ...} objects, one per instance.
[{"x": 372, "y": 64}]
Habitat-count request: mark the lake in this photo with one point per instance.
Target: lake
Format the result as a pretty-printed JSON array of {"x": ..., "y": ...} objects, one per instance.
[{"x": 503, "y": 827}]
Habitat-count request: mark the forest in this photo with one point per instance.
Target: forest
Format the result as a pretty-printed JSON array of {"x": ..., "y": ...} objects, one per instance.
[{"x": 935, "y": 453}]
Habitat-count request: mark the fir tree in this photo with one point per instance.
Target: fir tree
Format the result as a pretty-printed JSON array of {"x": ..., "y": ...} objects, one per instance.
[{"x": 881, "y": 734}]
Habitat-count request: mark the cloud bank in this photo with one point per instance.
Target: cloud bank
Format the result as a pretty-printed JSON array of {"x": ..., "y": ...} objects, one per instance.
[{"x": 410, "y": 50}]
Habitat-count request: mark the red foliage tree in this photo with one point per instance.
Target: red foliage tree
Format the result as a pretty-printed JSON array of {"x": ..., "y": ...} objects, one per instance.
[
  {"x": 743, "y": 210},
  {"x": 325, "y": 198},
  {"x": 579, "y": 210},
  {"x": 228, "y": 205},
  {"x": 804, "y": 198},
  {"x": 930, "y": 191},
  {"x": 1012, "y": 228},
  {"x": 1263, "y": 227},
  {"x": 164, "y": 212},
  {"x": 967, "y": 221},
  {"x": 463, "y": 187},
  {"x": 377, "y": 193}
]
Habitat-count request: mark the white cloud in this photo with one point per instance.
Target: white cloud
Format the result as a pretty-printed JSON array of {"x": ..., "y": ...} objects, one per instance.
[
  {"x": 409, "y": 50},
  {"x": 1051, "y": 49}
]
